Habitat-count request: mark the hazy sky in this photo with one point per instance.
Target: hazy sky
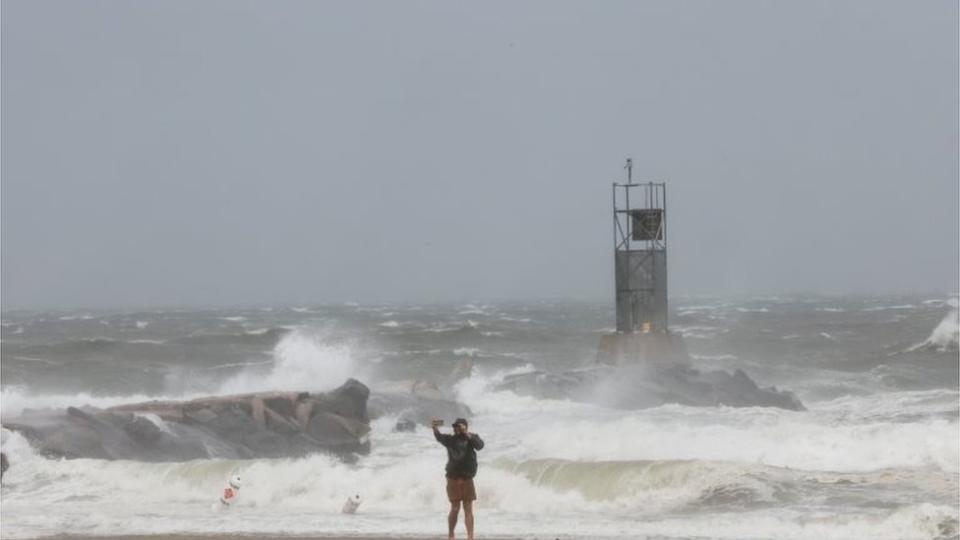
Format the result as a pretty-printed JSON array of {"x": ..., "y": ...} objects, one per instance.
[{"x": 185, "y": 152}]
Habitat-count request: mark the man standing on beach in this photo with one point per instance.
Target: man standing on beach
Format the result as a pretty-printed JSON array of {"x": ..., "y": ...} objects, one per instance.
[{"x": 462, "y": 449}]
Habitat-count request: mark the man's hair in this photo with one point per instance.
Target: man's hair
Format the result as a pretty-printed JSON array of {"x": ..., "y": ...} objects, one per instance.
[{"x": 461, "y": 421}]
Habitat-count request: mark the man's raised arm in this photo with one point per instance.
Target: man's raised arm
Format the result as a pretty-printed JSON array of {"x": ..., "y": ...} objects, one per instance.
[{"x": 441, "y": 437}]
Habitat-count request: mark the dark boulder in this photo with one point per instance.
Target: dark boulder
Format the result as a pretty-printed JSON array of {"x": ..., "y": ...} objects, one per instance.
[
  {"x": 640, "y": 386},
  {"x": 640, "y": 370}
]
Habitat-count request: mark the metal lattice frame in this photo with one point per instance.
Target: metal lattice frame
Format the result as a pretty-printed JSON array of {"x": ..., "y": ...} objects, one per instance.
[{"x": 641, "y": 278}]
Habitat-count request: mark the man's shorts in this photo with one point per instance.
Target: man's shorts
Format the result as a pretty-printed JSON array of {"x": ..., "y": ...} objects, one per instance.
[{"x": 461, "y": 489}]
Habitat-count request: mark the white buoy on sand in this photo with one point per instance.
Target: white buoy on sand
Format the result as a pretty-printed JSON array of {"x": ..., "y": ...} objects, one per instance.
[
  {"x": 351, "y": 505},
  {"x": 229, "y": 494}
]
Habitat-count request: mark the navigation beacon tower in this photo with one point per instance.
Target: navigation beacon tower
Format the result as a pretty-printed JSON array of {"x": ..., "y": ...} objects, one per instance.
[
  {"x": 640, "y": 270},
  {"x": 640, "y": 254}
]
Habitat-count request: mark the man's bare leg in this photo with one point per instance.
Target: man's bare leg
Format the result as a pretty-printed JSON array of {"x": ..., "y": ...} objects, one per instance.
[
  {"x": 452, "y": 518},
  {"x": 468, "y": 518}
]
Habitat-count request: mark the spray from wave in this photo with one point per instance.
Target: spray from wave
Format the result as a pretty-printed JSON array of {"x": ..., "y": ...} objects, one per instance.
[
  {"x": 302, "y": 360},
  {"x": 945, "y": 336}
]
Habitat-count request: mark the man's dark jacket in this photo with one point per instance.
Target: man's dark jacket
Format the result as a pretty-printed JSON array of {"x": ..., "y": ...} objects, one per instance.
[{"x": 461, "y": 454}]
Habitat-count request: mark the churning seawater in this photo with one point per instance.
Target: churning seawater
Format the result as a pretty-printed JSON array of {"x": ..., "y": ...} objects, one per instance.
[{"x": 874, "y": 456}]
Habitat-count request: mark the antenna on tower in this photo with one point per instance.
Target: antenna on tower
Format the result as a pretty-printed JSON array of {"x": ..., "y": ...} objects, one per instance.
[{"x": 629, "y": 168}]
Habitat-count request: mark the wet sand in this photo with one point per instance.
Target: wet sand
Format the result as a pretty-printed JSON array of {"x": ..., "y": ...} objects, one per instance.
[{"x": 274, "y": 537}]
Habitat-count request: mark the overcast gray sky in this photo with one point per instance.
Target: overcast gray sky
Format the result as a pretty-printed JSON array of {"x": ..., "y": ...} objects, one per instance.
[{"x": 230, "y": 152}]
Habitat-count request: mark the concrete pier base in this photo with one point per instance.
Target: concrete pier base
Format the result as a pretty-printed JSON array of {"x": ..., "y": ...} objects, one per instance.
[{"x": 642, "y": 348}]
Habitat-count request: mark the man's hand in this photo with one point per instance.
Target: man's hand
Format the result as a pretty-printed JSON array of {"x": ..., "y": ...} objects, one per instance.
[{"x": 435, "y": 423}]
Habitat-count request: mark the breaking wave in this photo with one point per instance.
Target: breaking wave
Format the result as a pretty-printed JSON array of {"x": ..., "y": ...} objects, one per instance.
[
  {"x": 406, "y": 495},
  {"x": 302, "y": 360},
  {"x": 945, "y": 336}
]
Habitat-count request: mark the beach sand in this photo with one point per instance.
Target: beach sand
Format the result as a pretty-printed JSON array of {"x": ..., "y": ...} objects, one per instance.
[{"x": 272, "y": 537}]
